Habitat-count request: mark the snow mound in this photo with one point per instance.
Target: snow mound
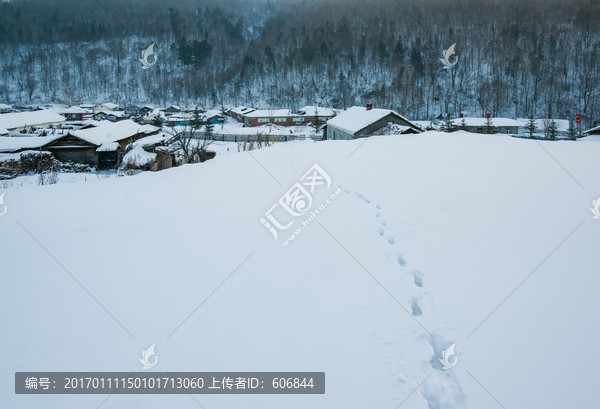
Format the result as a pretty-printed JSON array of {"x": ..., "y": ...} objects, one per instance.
[{"x": 138, "y": 157}]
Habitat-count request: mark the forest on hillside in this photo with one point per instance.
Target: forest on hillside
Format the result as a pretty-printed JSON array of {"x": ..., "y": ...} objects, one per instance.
[{"x": 515, "y": 57}]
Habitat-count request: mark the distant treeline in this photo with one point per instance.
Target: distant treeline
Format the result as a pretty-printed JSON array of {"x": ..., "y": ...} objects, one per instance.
[{"x": 515, "y": 57}]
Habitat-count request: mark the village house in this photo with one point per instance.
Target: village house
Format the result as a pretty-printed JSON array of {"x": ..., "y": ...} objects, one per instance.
[
  {"x": 73, "y": 113},
  {"x": 25, "y": 122},
  {"x": 145, "y": 109},
  {"x": 213, "y": 116},
  {"x": 542, "y": 124},
  {"x": 5, "y": 108},
  {"x": 180, "y": 119},
  {"x": 311, "y": 113},
  {"x": 173, "y": 109},
  {"x": 239, "y": 113},
  {"x": 107, "y": 106},
  {"x": 99, "y": 146},
  {"x": 113, "y": 116},
  {"x": 592, "y": 131},
  {"x": 153, "y": 116},
  {"x": 88, "y": 106},
  {"x": 479, "y": 125},
  {"x": 360, "y": 122},
  {"x": 281, "y": 117}
]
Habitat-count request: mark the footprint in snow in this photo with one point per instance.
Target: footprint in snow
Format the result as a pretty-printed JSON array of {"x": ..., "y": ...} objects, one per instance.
[
  {"x": 416, "y": 308},
  {"x": 418, "y": 278},
  {"x": 401, "y": 260}
]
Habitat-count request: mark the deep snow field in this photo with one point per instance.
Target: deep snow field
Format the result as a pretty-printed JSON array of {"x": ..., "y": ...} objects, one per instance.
[{"x": 482, "y": 241}]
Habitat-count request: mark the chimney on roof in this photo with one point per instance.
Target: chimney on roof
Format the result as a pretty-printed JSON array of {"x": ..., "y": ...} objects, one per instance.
[
  {"x": 462, "y": 115},
  {"x": 488, "y": 116},
  {"x": 369, "y": 107}
]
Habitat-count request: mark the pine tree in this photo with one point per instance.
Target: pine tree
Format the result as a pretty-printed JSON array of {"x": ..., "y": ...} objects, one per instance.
[
  {"x": 223, "y": 115},
  {"x": 531, "y": 127},
  {"x": 208, "y": 130},
  {"x": 448, "y": 125},
  {"x": 317, "y": 121},
  {"x": 489, "y": 126},
  {"x": 552, "y": 130}
]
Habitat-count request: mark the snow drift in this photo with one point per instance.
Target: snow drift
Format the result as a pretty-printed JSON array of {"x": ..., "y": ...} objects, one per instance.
[{"x": 482, "y": 241}]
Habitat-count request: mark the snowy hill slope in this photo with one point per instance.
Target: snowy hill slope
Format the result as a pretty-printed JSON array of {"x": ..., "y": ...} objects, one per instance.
[{"x": 483, "y": 241}]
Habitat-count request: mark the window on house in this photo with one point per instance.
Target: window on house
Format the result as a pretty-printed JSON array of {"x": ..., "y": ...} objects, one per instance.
[
  {"x": 280, "y": 119},
  {"x": 263, "y": 120},
  {"x": 298, "y": 119}
]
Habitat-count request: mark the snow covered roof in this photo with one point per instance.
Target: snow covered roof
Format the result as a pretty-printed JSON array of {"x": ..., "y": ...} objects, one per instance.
[
  {"x": 108, "y": 147},
  {"x": 269, "y": 113},
  {"x": 357, "y": 118},
  {"x": 211, "y": 113},
  {"x": 107, "y": 131},
  {"x": 138, "y": 157},
  {"x": 155, "y": 113},
  {"x": 242, "y": 110},
  {"x": 73, "y": 110},
  {"x": 181, "y": 115},
  {"x": 3, "y": 131},
  {"x": 4, "y": 106},
  {"x": 18, "y": 119},
  {"x": 594, "y": 129},
  {"x": 115, "y": 113},
  {"x": 312, "y": 110},
  {"x": 482, "y": 121},
  {"x": 153, "y": 140},
  {"x": 109, "y": 105},
  {"x": 13, "y": 144}
]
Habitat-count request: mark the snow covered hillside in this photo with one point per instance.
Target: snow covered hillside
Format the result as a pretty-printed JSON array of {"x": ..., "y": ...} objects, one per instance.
[{"x": 482, "y": 241}]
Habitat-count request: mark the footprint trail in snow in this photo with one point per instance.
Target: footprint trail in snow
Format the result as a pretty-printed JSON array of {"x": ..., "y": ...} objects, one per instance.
[{"x": 442, "y": 390}]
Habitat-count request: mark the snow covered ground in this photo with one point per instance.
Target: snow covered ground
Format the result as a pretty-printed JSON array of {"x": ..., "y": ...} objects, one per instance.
[{"x": 482, "y": 241}]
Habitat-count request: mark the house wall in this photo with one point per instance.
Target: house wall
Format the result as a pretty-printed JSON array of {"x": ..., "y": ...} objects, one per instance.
[
  {"x": 335, "y": 133},
  {"x": 322, "y": 119},
  {"x": 87, "y": 156},
  {"x": 510, "y": 130},
  {"x": 28, "y": 127},
  {"x": 237, "y": 117},
  {"x": 281, "y": 121}
]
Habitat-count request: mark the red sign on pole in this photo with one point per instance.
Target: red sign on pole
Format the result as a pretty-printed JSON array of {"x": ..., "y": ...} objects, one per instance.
[{"x": 578, "y": 118}]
